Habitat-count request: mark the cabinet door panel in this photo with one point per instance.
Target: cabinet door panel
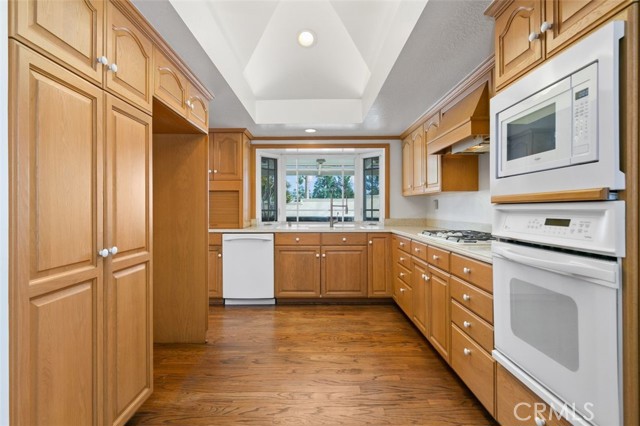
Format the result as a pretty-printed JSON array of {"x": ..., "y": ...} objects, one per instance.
[
  {"x": 197, "y": 109},
  {"x": 420, "y": 293},
  {"x": 419, "y": 160},
  {"x": 514, "y": 52},
  {"x": 344, "y": 271},
  {"x": 45, "y": 24},
  {"x": 131, "y": 51},
  {"x": 297, "y": 271},
  {"x": 65, "y": 356},
  {"x": 55, "y": 230},
  {"x": 129, "y": 370},
  {"x": 379, "y": 277},
  {"x": 407, "y": 166},
  {"x": 128, "y": 172},
  {"x": 439, "y": 326},
  {"x": 215, "y": 272},
  {"x": 170, "y": 86},
  {"x": 571, "y": 19},
  {"x": 226, "y": 156}
]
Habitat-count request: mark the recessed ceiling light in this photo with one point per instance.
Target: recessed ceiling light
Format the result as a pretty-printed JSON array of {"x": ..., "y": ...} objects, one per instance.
[
  {"x": 306, "y": 38},
  {"x": 310, "y": 130}
]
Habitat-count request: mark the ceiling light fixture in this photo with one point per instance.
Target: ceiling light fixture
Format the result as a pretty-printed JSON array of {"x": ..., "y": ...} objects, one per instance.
[
  {"x": 310, "y": 130},
  {"x": 306, "y": 38}
]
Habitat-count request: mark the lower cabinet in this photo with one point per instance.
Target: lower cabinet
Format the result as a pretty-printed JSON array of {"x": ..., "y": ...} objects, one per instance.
[
  {"x": 420, "y": 278},
  {"x": 215, "y": 272},
  {"x": 344, "y": 271},
  {"x": 379, "y": 265},
  {"x": 297, "y": 271},
  {"x": 439, "y": 325}
]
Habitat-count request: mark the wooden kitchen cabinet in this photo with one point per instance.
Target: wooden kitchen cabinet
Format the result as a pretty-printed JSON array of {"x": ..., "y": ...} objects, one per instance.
[
  {"x": 521, "y": 40},
  {"x": 419, "y": 157},
  {"x": 379, "y": 265},
  {"x": 344, "y": 271},
  {"x": 170, "y": 84},
  {"x": 130, "y": 53},
  {"x": 215, "y": 272},
  {"x": 225, "y": 156},
  {"x": 407, "y": 166},
  {"x": 197, "y": 108},
  {"x": 421, "y": 281},
  {"x": 439, "y": 309},
  {"x": 297, "y": 271}
]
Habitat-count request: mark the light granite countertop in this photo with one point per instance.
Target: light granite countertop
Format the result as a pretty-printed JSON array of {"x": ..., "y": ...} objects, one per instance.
[{"x": 413, "y": 231}]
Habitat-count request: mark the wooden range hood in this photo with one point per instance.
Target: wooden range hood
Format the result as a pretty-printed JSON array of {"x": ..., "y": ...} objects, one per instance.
[{"x": 463, "y": 121}]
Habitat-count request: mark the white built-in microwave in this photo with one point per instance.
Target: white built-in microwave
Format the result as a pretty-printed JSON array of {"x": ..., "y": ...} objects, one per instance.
[{"x": 557, "y": 128}]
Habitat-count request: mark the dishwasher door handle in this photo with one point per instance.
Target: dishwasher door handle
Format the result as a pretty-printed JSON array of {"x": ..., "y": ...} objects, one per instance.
[{"x": 247, "y": 238}]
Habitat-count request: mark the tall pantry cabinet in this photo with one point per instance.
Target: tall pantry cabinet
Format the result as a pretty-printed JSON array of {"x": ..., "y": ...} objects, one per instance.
[{"x": 80, "y": 141}]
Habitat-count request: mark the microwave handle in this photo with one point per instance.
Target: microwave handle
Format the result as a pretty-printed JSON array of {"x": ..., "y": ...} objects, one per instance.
[{"x": 575, "y": 268}]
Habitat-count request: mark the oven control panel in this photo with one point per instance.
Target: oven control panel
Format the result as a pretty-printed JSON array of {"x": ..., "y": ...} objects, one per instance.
[{"x": 582, "y": 228}]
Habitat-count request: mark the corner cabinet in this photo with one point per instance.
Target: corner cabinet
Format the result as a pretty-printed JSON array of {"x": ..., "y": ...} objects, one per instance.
[{"x": 527, "y": 32}]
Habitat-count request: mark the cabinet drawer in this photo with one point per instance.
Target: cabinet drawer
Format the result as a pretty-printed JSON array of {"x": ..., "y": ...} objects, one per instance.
[
  {"x": 402, "y": 243},
  {"x": 402, "y": 273},
  {"x": 344, "y": 238},
  {"x": 419, "y": 250},
  {"x": 438, "y": 257},
  {"x": 518, "y": 406},
  {"x": 402, "y": 258},
  {"x": 404, "y": 296},
  {"x": 294, "y": 238},
  {"x": 477, "y": 301},
  {"x": 474, "y": 366},
  {"x": 215, "y": 239},
  {"x": 473, "y": 271},
  {"x": 473, "y": 325}
]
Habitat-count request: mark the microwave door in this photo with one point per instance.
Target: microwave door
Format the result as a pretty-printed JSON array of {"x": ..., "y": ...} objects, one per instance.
[{"x": 535, "y": 134}]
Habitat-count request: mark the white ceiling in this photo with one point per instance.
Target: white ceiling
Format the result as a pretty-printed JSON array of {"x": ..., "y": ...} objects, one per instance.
[{"x": 376, "y": 67}]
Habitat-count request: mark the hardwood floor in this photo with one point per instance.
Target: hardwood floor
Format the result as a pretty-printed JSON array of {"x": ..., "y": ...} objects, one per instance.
[{"x": 307, "y": 365}]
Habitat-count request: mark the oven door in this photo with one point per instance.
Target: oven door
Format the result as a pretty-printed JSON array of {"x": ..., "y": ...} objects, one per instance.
[{"x": 556, "y": 322}]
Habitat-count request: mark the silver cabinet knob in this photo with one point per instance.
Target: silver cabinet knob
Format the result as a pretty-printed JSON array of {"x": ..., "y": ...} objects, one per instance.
[
  {"x": 466, "y": 324},
  {"x": 466, "y": 297},
  {"x": 402, "y": 290},
  {"x": 546, "y": 26},
  {"x": 219, "y": 254},
  {"x": 401, "y": 244},
  {"x": 344, "y": 239},
  {"x": 102, "y": 60},
  {"x": 113, "y": 250},
  {"x": 113, "y": 67},
  {"x": 215, "y": 171},
  {"x": 417, "y": 250},
  {"x": 317, "y": 254},
  {"x": 370, "y": 242},
  {"x": 436, "y": 257},
  {"x": 401, "y": 274},
  {"x": 324, "y": 255},
  {"x": 427, "y": 277},
  {"x": 533, "y": 36},
  {"x": 103, "y": 253},
  {"x": 297, "y": 239},
  {"x": 466, "y": 352},
  {"x": 402, "y": 259},
  {"x": 466, "y": 270},
  {"x": 210, "y": 171}
]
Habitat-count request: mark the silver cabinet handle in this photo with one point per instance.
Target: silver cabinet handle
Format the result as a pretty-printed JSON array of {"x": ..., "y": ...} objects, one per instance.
[
  {"x": 466, "y": 270},
  {"x": 533, "y": 36},
  {"x": 417, "y": 250},
  {"x": 401, "y": 244},
  {"x": 317, "y": 254},
  {"x": 324, "y": 255},
  {"x": 466, "y": 352},
  {"x": 297, "y": 239},
  {"x": 436, "y": 257},
  {"x": 102, "y": 60},
  {"x": 402, "y": 259},
  {"x": 546, "y": 26},
  {"x": 113, "y": 68},
  {"x": 427, "y": 277},
  {"x": 466, "y": 324},
  {"x": 344, "y": 239},
  {"x": 219, "y": 254},
  {"x": 210, "y": 171},
  {"x": 466, "y": 297},
  {"x": 103, "y": 253},
  {"x": 401, "y": 274},
  {"x": 113, "y": 250},
  {"x": 215, "y": 171},
  {"x": 402, "y": 290},
  {"x": 370, "y": 242}
]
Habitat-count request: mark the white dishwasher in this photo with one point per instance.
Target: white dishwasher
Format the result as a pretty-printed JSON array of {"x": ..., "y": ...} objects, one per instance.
[{"x": 247, "y": 269}]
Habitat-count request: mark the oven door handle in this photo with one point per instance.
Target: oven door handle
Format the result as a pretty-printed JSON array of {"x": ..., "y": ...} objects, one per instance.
[{"x": 574, "y": 268}]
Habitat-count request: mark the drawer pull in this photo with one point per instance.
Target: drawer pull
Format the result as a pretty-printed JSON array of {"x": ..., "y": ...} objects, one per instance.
[
  {"x": 546, "y": 26},
  {"x": 317, "y": 255},
  {"x": 540, "y": 422},
  {"x": 533, "y": 36},
  {"x": 436, "y": 257},
  {"x": 324, "y": 255},
  {"x": 370, "y": 242},
  {"x": 402, "y": 290},
  {"x": 466, "y": 324},
  {"x": 466, "y": 270},
  {"x": 417, "y": 250},
  {"x": 401, "y": 274},
  {"x": 297, "y": 239},
  {"x": 401, "y": 244},
  {"x": 219, "y": 254},
  {"x": 402, "y": 259},
  {"x": 466, "y": 352},
  {"x": 466, "y": 297},
  {"x": 344, "y": 239},
  {"x": 426, "y": 277}
]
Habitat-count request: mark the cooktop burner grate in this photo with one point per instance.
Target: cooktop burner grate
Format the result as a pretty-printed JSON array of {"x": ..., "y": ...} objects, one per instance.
[{"x": 460, "y": 236}]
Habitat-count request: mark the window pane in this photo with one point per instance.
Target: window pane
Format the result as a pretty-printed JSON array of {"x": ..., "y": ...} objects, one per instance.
[
  {"x": 269, "y": 184},
  {"x": 371, "y": 180}
]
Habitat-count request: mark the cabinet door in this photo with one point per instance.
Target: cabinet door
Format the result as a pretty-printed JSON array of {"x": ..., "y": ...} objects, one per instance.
[
  {"x": 439, "y": 308},
  {"x": 297, "y": 271},
  {"x": 379, "y": 262},
  {"x": 129, "y": 52},
  {"x": 407, "y": 166},
  {"x": 128, "y": 277},
  {"x": 56, "y": 199},
  {"x": 571, "y": 19},
  {"x": 421, "y": 280},
  {"x": 434, "y": 173},
  {"x": 419, "y": 160},
  {"x": 170, "y": 85},
  {"x": 225, "y": 151},
  {"x": 344, "y": 271},
  {"x": 515, "y": 54},
  {"x": 197, "y": 109},
  {"x": 45, "y": 25},
  {"x": 215, "y": 272}
]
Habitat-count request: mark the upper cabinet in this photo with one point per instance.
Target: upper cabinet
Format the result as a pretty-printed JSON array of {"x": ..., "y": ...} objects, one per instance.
[
  {"x": 129, "y": 53},
  {"x": 44, "y": 26},
  {"x": 225, "y": 156},
  {"x": 419, "y": 163},
  {"x": 528, "y": 31}
]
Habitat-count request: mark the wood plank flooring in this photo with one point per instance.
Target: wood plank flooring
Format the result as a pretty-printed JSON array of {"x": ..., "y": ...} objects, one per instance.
[{"x": 307, "y": 365}]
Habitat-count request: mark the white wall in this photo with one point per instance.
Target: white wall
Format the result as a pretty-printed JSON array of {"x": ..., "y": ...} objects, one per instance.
[{"x": 4, "y": 220}]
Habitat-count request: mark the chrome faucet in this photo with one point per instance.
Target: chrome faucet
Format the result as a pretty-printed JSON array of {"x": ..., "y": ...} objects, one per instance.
[{"x": 345, "y": 211}]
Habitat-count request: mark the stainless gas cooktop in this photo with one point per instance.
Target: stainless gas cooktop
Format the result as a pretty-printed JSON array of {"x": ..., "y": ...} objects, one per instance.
[{"x": 460, "y": 237}]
